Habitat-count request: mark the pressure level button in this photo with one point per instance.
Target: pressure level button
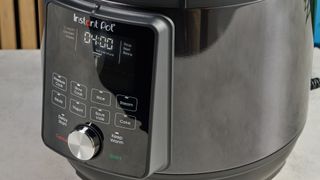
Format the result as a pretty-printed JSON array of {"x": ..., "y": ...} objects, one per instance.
[{"x": 84, "y": 142}]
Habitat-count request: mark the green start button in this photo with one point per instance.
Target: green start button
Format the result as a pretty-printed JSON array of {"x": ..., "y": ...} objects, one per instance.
[{"x": 115, "y": 157}]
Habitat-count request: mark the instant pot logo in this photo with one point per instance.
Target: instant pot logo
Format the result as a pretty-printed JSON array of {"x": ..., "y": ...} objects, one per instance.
[{"x": 103, "y": 25}]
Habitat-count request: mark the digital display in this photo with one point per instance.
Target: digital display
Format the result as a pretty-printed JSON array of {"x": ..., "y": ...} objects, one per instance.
[
  {"x": 98, "y": 40},
  {"x": 114, "y": 55},
  {"x": 118, "y": 51}
]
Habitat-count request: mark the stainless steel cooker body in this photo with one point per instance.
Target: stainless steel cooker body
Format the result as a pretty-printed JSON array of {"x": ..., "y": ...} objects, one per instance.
[
  {"x": 240, "y": 89},
  {"x": 241, "y": 83}
]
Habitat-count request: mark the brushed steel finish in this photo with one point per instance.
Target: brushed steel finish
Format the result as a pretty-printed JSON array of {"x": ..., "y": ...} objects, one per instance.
[
  {"x": 241, "y": 83},
  {"x": 83, "y": 143}
]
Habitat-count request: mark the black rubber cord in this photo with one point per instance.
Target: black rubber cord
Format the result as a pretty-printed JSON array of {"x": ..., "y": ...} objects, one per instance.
[{"x": 315, "y": 83}]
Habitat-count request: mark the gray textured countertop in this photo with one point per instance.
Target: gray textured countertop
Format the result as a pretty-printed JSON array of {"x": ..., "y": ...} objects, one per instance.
[{"x": 23, "y": 155}]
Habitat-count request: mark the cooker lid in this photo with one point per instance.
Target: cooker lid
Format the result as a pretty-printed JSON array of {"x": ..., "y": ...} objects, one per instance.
[{"x": 183, "y": 3}]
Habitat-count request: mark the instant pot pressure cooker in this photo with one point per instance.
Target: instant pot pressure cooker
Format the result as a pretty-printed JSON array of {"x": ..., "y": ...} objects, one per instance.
[{"x": 176, "y": 89}]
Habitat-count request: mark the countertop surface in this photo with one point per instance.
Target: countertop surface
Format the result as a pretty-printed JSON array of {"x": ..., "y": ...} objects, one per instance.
[{"x": 24, "y": 156}]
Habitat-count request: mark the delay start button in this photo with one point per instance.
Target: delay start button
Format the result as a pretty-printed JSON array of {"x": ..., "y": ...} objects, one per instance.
[{"x": 125, "y": 121}]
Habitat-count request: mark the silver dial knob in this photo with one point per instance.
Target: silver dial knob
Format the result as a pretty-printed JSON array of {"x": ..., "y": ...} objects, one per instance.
[{"x": 84, "y": 142}]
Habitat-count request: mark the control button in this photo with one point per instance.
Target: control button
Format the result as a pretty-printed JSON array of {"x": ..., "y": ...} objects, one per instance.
[
  {"x": 62, "y": 120},
  {"x": 101, "y": 97},
  {"x": 100, "y": 115},
  {"x": 77, "y": 108},
  {"x": 117, "y": 138},
  {"x": 59, "y": 81},
  {"x": 127, "y": 103},
  {"x": 58, "y": 99},
  {"x": 78, "y": 90},
  {"x": 84, "y": 142},
  {"x": 125, "y": 121}
]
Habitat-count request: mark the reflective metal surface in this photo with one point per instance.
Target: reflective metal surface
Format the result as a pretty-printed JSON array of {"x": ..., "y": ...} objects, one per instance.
[
  {"x": 181, "y": 3},
  {"x": 241, "y": 83},
  {"x": 83, "y": 143},
  {"x": 264, "y": 169}
]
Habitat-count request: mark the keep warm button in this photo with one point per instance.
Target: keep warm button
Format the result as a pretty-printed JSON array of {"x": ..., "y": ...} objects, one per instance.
[
  {"x": 127, "y": 103},
  {"x": 125, "y": 121}
]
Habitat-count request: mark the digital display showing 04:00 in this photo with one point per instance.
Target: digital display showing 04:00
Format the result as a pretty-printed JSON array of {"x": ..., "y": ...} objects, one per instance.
[{"x": 99, "y": 40}]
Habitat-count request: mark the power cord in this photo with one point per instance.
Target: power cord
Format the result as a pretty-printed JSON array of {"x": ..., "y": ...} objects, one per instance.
[{"x": 315, "y": 83}]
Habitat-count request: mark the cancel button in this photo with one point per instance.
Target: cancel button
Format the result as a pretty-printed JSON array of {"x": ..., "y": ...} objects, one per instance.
[{"x": 125, "y": 121}]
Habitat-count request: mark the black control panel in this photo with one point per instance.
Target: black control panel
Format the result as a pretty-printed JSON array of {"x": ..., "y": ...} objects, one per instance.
[{"x": 100, "y": 70}]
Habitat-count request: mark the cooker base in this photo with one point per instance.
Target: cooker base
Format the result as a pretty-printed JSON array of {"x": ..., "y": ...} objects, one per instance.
[
  {"x": 175, "y": 177},
  {"x": 265, "y": 169}
]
